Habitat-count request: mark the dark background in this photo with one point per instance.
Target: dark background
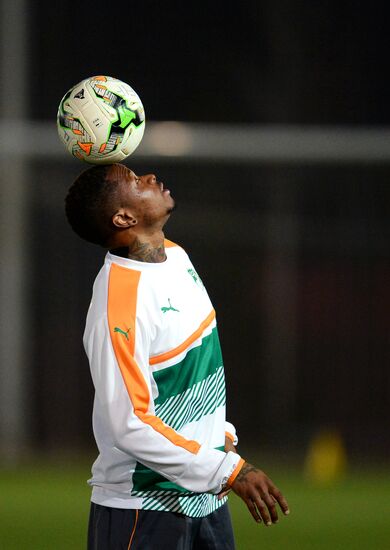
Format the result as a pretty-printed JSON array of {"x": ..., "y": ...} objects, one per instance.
[
  {"x": 275, "y": 61},
  {"x": 295, "y": 257}
]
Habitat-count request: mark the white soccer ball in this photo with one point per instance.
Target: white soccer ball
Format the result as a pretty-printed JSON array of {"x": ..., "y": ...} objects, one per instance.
[{"x": 101, "y": 120}]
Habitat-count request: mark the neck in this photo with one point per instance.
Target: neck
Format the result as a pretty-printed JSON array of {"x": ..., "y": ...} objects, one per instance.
[{"x": 150, "y": 251}]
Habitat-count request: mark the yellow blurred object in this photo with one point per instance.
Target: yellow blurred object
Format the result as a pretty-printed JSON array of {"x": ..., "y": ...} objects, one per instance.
[{"x": 326, "y": 459}]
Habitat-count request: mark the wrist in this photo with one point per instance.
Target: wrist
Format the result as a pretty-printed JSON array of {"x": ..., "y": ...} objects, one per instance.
[{"x": 235, "y": 473}]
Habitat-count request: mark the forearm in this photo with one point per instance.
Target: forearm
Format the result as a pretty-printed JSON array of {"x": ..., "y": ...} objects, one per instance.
[{"x": 183, "y": 461}]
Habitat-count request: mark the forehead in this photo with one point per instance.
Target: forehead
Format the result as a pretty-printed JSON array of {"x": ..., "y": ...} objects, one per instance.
[{"x": 118, "y": 173}]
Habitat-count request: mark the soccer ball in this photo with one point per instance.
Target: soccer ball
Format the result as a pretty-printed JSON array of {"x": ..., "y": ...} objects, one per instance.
[{"x": 101, "y": 120}]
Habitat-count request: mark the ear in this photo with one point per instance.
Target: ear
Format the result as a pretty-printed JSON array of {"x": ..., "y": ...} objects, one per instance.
[{"x": 123, "y": 219}]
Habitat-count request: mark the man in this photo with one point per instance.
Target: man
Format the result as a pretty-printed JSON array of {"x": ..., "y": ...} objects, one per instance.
[{"x": 166, "y": 454}]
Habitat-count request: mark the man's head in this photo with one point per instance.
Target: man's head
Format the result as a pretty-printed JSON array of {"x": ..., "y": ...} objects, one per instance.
[{"x": 109, "y": 205}]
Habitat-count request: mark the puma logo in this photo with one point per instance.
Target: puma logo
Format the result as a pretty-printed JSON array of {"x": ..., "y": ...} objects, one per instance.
[
  {"x": 124, "y": 333},
  {"x": 170, "y": 308}
]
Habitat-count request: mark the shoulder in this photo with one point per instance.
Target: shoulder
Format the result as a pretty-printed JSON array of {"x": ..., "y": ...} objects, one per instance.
[
  {"x": 171, "y": 244},
  {"x": 175, "y": 251}
]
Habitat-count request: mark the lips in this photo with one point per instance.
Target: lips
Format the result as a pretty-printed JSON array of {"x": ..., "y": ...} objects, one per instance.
[{"x": 167, "y": 191}]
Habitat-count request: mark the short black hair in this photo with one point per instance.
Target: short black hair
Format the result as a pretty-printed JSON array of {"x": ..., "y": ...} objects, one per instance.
[{"x": 87, "y": 204}]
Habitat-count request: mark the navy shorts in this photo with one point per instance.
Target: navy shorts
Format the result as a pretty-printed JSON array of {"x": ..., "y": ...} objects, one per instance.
[{"x": 123, "y": 529}]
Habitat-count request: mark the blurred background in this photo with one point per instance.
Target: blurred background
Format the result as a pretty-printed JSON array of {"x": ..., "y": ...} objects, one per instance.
[{"x": 270, "y": 123}]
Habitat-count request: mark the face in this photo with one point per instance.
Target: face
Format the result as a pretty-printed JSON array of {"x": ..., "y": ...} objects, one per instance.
[{"x": 147, "y": 199}]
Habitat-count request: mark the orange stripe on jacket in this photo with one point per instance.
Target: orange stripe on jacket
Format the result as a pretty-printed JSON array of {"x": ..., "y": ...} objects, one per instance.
[
  {"x": 121, "y": 307},
  {"x": 182, "y": 347}
]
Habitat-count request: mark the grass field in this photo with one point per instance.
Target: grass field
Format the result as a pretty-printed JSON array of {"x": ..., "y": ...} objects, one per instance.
[{"x": 46, "y": 508}]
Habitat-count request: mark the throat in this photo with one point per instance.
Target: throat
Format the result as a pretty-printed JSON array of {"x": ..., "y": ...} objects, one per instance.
[{"x": 143, "y": 252}]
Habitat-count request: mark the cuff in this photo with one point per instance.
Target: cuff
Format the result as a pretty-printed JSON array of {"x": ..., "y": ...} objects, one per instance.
[
  {"x": 235, "y": 472},
  {"x": 230, "y": 432}
]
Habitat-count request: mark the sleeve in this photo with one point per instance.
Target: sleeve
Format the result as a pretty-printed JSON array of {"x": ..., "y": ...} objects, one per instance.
[
  {"x": 118, "y": 349},
  {"x": 230, "y": 432}
]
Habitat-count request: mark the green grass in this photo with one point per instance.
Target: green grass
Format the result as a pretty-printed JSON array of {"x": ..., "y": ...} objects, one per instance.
[
  {"x": 351, "y": 515},
  {"x": 46, "y": 508}
]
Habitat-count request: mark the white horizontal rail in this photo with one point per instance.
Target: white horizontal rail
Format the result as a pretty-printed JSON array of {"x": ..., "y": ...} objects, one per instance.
[{"x": 222, "y": 142}]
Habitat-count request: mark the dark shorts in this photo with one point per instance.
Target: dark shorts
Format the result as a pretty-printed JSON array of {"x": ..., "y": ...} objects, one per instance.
[{"x": 122, "y": 529}]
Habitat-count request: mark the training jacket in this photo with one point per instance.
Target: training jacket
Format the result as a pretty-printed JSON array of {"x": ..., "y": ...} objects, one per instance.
[{"x": 159, "y": 410}]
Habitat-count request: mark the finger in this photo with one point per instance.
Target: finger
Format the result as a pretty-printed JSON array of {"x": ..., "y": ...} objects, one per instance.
[
  {"x": 263, "y": 511},
  {"x": 253, "y": 510},
  {"x": 224, "y": 494},
  {"x": 270, "y": 502},
  {"x": 280, "y": 499}
]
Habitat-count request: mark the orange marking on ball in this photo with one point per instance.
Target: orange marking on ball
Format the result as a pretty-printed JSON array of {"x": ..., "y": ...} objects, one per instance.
[{"x": 86, "y": 147}]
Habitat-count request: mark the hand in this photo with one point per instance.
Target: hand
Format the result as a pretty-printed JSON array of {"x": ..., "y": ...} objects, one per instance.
[
  {"x": 229, "y": 445},
  {"x": 259, "y": 494}
]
